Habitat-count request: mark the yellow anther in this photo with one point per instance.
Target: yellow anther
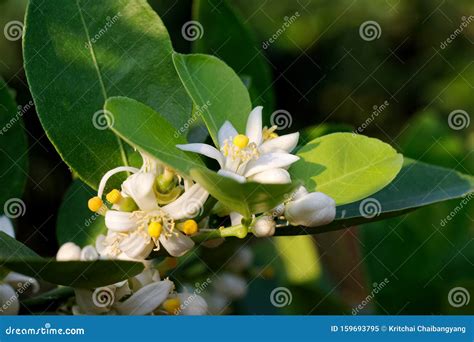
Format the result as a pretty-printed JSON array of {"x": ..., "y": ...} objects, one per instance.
[
  {"x": 241, "y": 141},
  {"x": 94, "y": 204},
  {"x": 154, "y": 229},
  {"x": 172, "y": 305},
  {"x": 114, "y": 196},
  {"x": 190, "y": 227},
  {"x": 269, "y": 133}
]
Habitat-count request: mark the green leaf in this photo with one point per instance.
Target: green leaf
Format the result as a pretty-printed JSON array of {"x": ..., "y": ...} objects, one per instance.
[
  {"x": 155, "y": 135},
  {"x": 86, "y": 274},
  {"x": 76, "y": 223},
  {"x": 417, "y": 185},
  {"x": 216, "y": 90},
  {"x": 82, "y": 52},
  {"x": 13, "y": 147},
  {"x": 249, "y": 62},
  {"x": 247, "y": 198},
  {"x": 346, "y": 167}
]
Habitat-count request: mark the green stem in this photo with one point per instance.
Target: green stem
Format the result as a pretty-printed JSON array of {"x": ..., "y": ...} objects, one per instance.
[
  {"x": 239, "y": 231},
  {"x": 45, "y": 299}
]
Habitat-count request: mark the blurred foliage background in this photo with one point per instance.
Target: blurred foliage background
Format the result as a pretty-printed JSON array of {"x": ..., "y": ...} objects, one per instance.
[{"x": 322, "y": 72}]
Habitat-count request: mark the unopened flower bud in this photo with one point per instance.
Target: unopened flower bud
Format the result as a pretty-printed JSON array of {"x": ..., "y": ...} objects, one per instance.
[
  {"x": 89, "y": 253},
  {"x": 264, "y": 226},
  {"x": 69, "y": 252},
  {"x": 311, "y": 210}
]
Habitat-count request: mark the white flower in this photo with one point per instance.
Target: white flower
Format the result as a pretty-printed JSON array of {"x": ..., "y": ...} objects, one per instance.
[
  {"x": 256, "y": 156},
  {"x": 264, "y": 226},
  {"x": 13, "y": 284},
  {"x": 72, "y": 252},
  {"x": 141, "y": 295},
  {"x": 310, "y": 209},
  {"x": 133, "y": 234}
]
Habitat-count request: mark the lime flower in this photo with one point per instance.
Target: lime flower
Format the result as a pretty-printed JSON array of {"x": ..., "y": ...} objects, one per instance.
[
  {"x": 259, "y": 155},
  {"x": 71, "y": 252},
  {"x": 310, "y": 209},
  {"x": 137, "y": 224}
]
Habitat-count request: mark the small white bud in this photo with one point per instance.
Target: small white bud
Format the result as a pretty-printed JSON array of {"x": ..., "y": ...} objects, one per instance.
[
  {"x": 9, "y": 300},
  {"x": 89, "y": 253},
  {"x": 311, "y": 210},
  {"x": 264, "y": 226},
  {"x": 69, "y": 252}
]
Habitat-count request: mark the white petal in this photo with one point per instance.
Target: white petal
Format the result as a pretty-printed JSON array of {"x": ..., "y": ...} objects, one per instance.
[
  {"x": 145, "y": 300},
  {"x": 264, "y": 226},
  {"x": 254, "y": 126},
  {"x": 227, "y": 131},
  {"x": 86, "y": 304},
  {"x": 89, "y": 253},
  {"x": 235, "y": 218},
  {"x": 233, "y": 175},
  {"x": 140, "y": 187},
  {"x": 270, "y": 161},
  {"x": 147, "y": 277},
  {"x": 285, "y": 143},
  {"x": 136, "y": 246},
  {"x": 272, "y": 176},
  {"x": 192, "y": 304},
  {"x": 108, "y": 174},
  {"x": 311, "y": 210},
  {"x": 176, "y": 245},
  {"x": 69, "y": 252},
  {"x": 120, "y": 221},
  {"x": 18, "y": 281},
  {"x": 150, "y": 164},
  {"x": 189, "y": 204},
  {"x": 6, "y": 226},
  {"x": 204, "y": 149},
  {"x": 9, "y": 304},
  {"x": 100, "y": 244}
]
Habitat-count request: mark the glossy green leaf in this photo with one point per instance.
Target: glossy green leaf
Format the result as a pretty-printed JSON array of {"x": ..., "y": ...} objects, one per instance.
[
  {"x": 247, "y": 198},
  {"x": 346, "y": 167},
  {"x": 87, "y": 274},
  {"x": 249, "y": 63},
  {"x": 154, "y": 135},
  {"x": 78, "y": 54},
  {"x": 13, "y": 147},
  {"x": 418, "y": 184},
  {"x": 76, "y": 223},
  {"x": 216, "y": 90}
]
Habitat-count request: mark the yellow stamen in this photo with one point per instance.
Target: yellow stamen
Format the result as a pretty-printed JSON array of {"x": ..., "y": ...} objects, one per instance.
[
  {"x": 241, "y": 141},
  {"x": 154, "y": 229},
  {"x": 269, "y": 133},
  {"x": 172, "y": 305},
  {"x": 94, "y": 204},
  {"x": 190, "y": 227},
  {"x": 114, "y": 196}
]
